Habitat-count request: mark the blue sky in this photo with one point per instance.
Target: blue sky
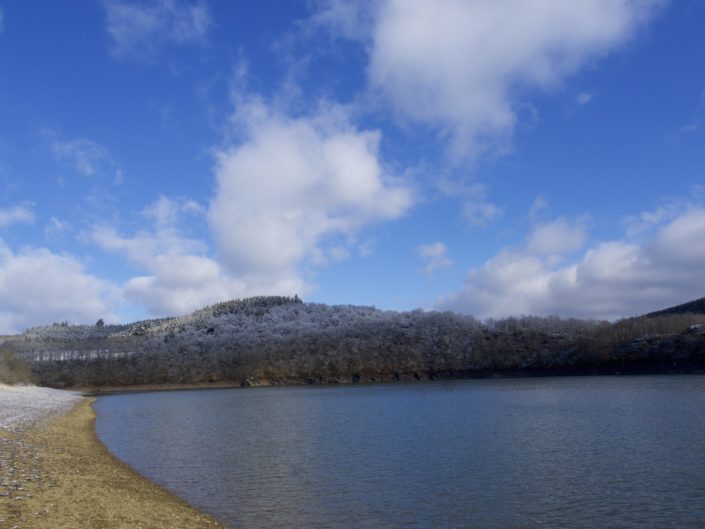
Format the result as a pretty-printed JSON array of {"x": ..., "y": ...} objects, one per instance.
[{"x": 488, "y": 157}]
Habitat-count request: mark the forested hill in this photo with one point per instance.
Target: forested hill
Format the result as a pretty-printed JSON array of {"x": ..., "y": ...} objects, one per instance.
[
  {"x": 692, "y": 307},
  {"x": 246, "y": 309},
  {"x": 281, "y": 340}
]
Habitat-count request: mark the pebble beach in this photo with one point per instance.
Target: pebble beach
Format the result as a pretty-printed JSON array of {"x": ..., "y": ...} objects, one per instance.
[
  {"x": 55, "y": 473},
  {"x": 24, "y": 406},
  {"x": 21, "y": 408}
]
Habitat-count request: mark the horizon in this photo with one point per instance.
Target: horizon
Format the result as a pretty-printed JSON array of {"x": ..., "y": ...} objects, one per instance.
[{"x": 158, "y": 157}]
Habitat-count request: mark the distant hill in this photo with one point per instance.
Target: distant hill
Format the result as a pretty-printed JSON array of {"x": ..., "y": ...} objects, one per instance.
[
  {"x": 249, "y": 307},
  {"x": 281, "y": 340},
  {"x": 692, "y": 307}
]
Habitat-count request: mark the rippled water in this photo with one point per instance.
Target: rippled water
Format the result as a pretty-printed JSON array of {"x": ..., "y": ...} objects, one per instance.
[{"x": 622, "y": 452}]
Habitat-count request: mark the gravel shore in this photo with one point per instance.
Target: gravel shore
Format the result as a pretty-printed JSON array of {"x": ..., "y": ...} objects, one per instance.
[
  {"x": 56, "y": 474},
  {"x": 24, "y": 406},
  {"x": 21, "y": 408}
]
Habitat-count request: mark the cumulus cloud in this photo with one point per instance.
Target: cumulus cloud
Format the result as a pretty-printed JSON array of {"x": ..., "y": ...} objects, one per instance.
[
  {"x": 141, "y": 29},
  {"x": 38, "y": 287},
  {"x": 434, "y": 257},
  {"x": 557, "y": 237},
  {"x": 609, "y": 279},
  {"x": 14, "y": 215},
  {"x": 295, "y": 190},
  {"x": 178, "y": 274},
  {"x": 292, "y": 194},
  {"x": 461, "y": 66}
]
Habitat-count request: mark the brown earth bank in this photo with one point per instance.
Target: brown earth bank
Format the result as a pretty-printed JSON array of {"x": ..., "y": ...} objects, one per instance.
[
  {"x": 61, "y": 476},
  {"x": 656, "y": 367}
]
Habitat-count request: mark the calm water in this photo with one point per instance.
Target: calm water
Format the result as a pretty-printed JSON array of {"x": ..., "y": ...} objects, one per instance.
[{"x": 625, "y": 452}]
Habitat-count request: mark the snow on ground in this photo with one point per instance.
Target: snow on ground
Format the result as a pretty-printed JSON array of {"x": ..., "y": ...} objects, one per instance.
[{"x": 22, "y": 406}]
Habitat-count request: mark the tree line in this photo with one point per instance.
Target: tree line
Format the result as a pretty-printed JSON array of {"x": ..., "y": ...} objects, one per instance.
[{"x": 281, "y": 340}]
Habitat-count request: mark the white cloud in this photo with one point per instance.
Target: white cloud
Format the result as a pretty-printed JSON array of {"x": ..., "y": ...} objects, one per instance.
[
  {"x": 538, "y": 208},
  {"x": 462, "y": 66},
  {"x": 38, "y": 287},
  {"x": 680, "y": 242},
  {"x": 179, "y": 276},
  {"x": 165, "y": 211},
  {"x": 87, "y": 157},
  {"x": 15, "y": 214},
  {"x": 352, "y": 20},
  {"x": 366, "y": 248},
  {"x": 584, "y": 98},
  {"x": 643, "y": 224},
  {"x": 480, "y": 212},
  {"x": 689, "y": 128},
  {"x": 696, "y": 121},
  {"x": 56, "y": 228},
  {"x": 140, "y": 29},
  {"x": 434, "y": 256},
  {"x": 293, "y": 188},
  {"x": 557, "y": 237},
  {"x": 119, "y": 177},
  {"x": 477, "y": 209},
  {"x": 291, "y": 196},
  {"x": 610, "y": 279},
  {"x": 645, "y": 221}
]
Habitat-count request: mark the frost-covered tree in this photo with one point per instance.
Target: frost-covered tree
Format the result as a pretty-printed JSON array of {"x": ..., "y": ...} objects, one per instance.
[{"x": 283, "y": 340}]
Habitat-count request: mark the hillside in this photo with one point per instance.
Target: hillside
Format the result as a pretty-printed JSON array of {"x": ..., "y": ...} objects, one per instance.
[
  {"x": 692, "y": 307},
  {"x": 13, "y": 370},
  {"x": 279, "y": 340}
]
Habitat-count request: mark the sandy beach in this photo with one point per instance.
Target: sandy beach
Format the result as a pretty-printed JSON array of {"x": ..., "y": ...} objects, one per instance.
[{"x": 55, "y": 473}]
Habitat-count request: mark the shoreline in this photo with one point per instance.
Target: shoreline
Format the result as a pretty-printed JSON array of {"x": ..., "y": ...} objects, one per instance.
[
  {"x": 63, "y": 476},
  {"x": 58, "y": 474},
  {"x": 592, "y": 371},
  {"x": 94, "y": 392}
]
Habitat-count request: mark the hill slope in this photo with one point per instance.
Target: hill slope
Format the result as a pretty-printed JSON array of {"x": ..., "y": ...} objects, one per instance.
[
  {"x": 277, "y": 340},
  {"x": 692, "y": 307}
]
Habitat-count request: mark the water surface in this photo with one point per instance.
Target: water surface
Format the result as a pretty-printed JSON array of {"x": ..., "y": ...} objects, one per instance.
[{"x": 622, "y": 452}]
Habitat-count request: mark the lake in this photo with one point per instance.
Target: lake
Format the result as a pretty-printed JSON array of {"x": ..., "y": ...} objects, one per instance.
[{"x": 572, "y": 452}]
